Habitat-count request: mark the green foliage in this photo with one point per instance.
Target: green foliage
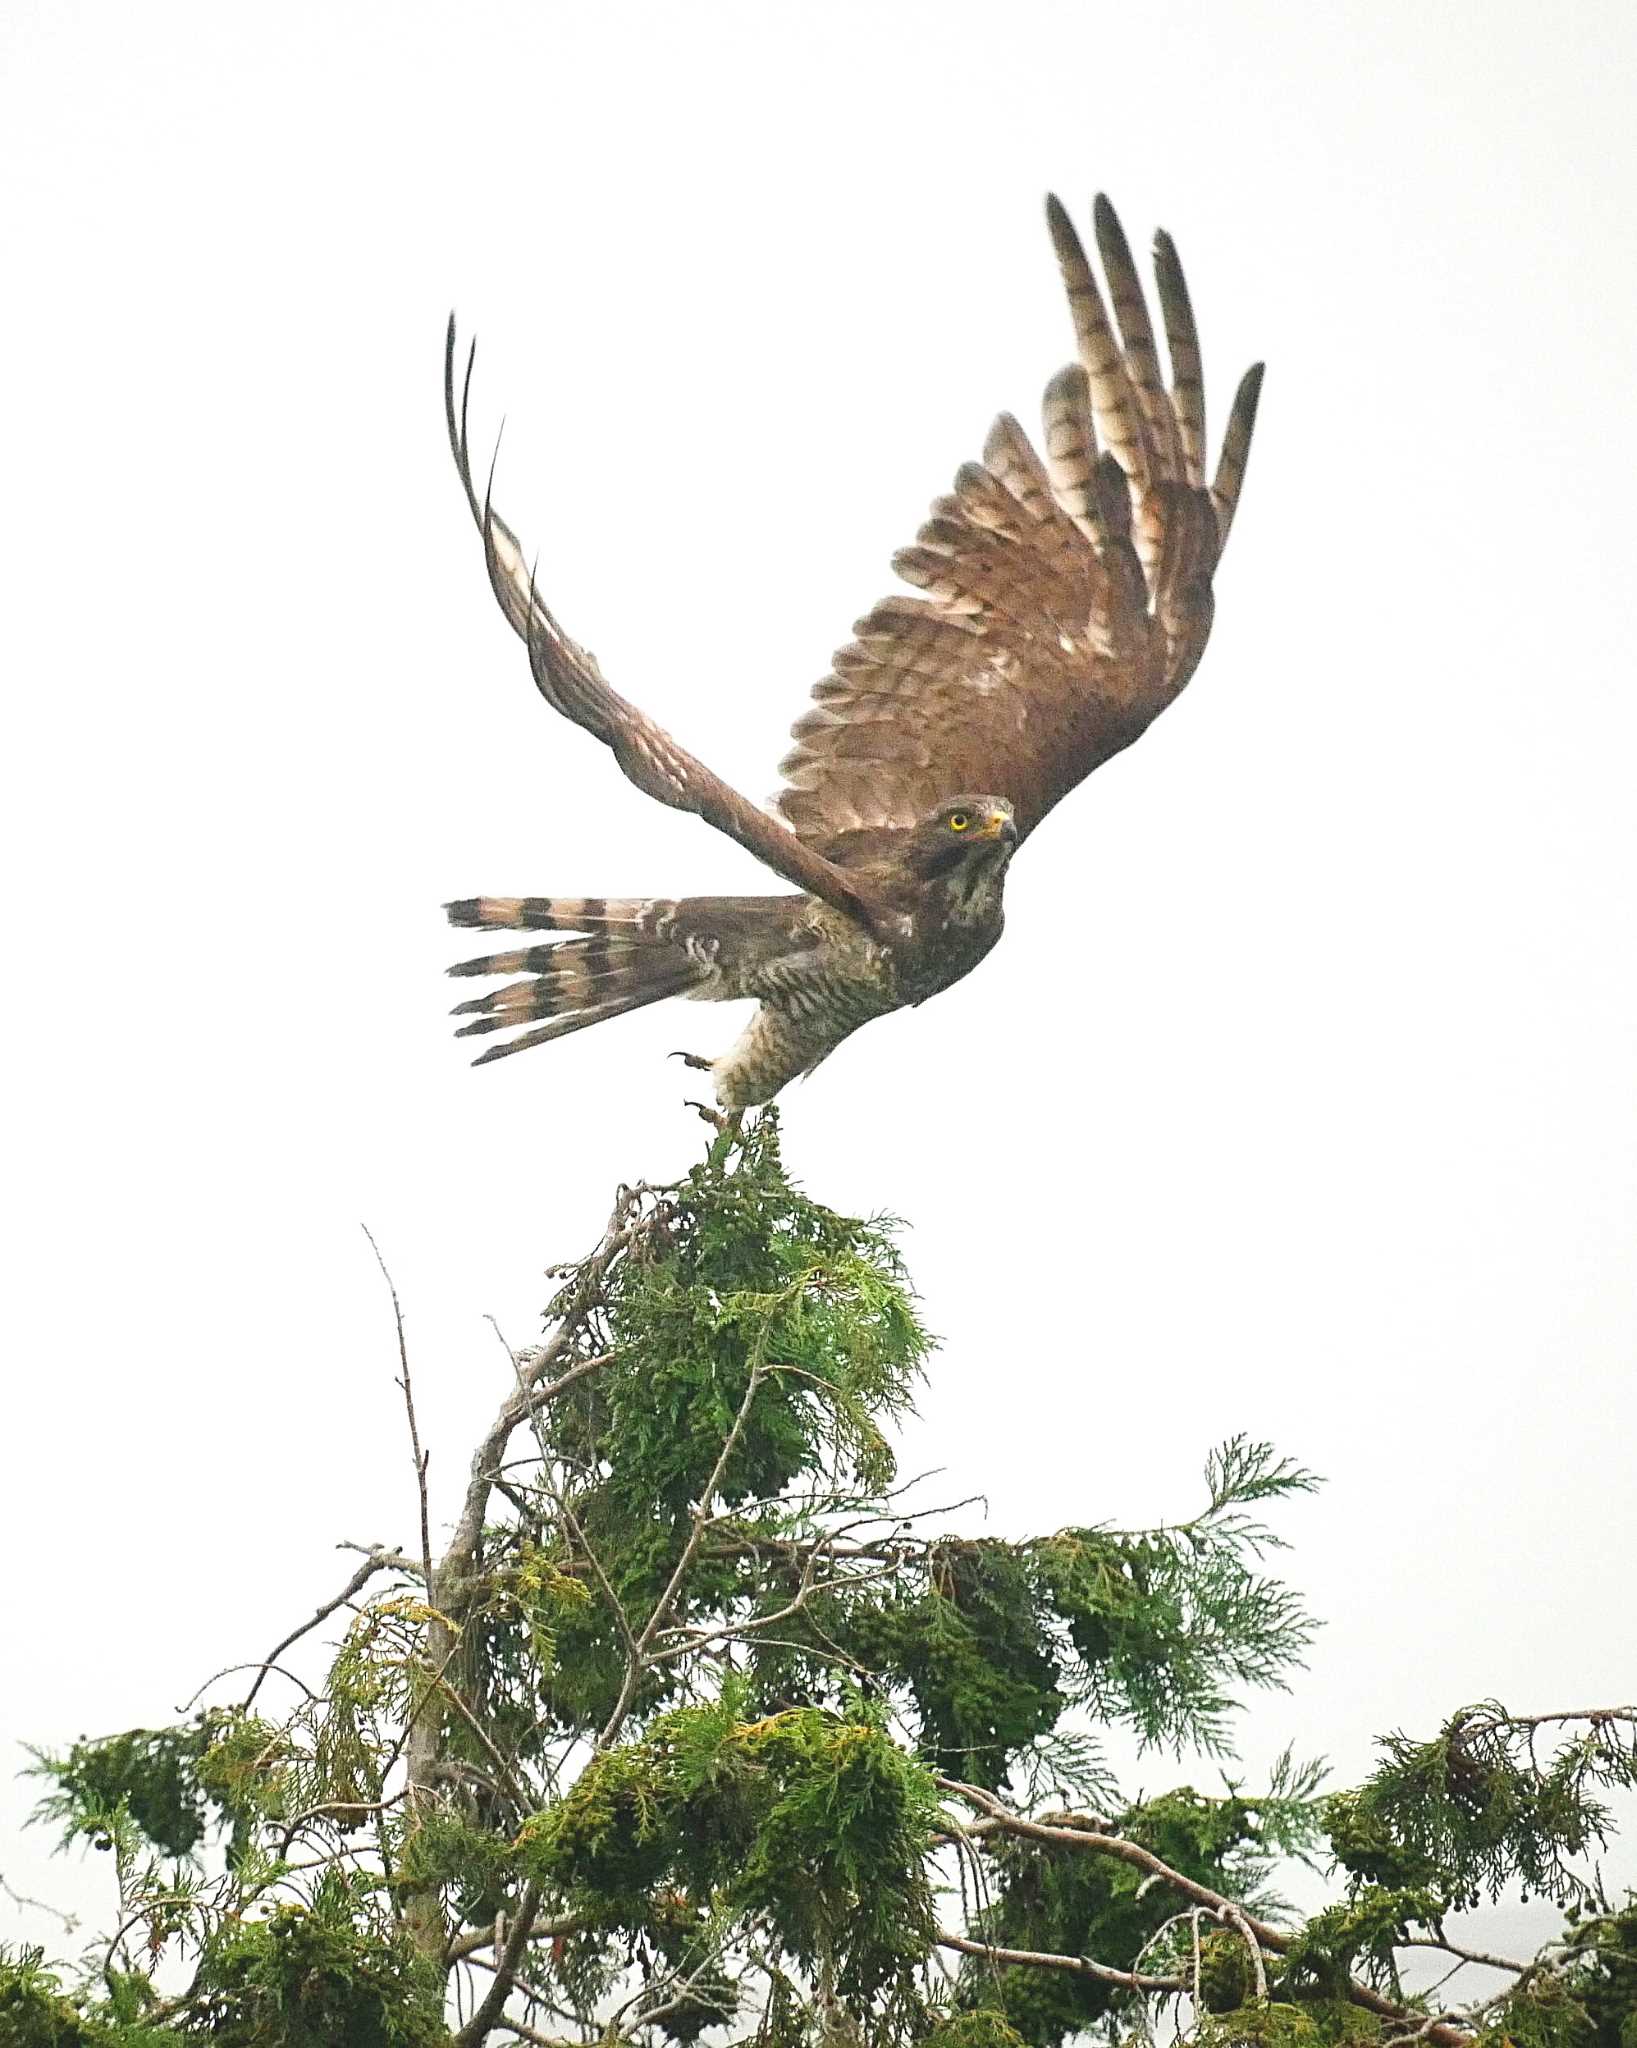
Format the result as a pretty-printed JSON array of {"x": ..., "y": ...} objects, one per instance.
[
  {"x": 755, "y": 1339},
  {"x": 1364, "y": 1844},
  {"x": 815, "y": 1824},
  {"x": 980, "y": 2028},
  {"x": 150, "y": 1775},
  {"x": 1161, "y": 1621},
  {"x": 1587, "y": 1998},
  {"x": 1277, "y": 2024},
  {"x": 994, "y": 1642},
  {"x": 974, "y": 1650},
  {"x": 33, "y": 2013},
  {"x": 732, "y": 1733},
  {"x": 752, "y": 1277},
  {"x": 1481, "y": 1807},
  {"x": 309, "y": 1977},
  {"x": 1368, "y": 1926},
  {"x": 1065, "y": 1902},
  {"x": 247, "y": 1769}
]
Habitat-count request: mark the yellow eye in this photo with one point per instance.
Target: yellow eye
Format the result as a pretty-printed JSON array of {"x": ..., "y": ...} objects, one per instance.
[{"x": 958, "y": 821}]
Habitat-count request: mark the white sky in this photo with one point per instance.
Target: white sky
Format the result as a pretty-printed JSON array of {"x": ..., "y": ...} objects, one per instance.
[{"x": 1322, "y": 1127}]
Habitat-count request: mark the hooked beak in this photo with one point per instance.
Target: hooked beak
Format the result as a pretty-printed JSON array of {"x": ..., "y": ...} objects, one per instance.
[{"x": 999, "y": 825}]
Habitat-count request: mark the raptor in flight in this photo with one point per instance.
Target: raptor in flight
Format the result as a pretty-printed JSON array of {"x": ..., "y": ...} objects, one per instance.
[{"x": 1063, "y": 603}]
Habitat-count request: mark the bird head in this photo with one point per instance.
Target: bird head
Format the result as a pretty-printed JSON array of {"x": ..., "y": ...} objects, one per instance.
[{"x": 963, "y": 834}]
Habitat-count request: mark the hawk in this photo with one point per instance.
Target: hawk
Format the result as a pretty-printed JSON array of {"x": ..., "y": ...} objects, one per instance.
[{"x": 1063, "y": 602}]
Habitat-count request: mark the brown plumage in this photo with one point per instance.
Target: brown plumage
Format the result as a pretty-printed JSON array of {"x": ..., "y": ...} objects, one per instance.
[{"x": 1062, "y": 604}]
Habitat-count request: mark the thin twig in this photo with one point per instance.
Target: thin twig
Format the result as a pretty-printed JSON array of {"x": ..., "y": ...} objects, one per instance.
[
  {"x": 70, "y": 1923},
  {"x": 1465, "y": 1955},
  {"x": 510, "y": 1784},
  {"x": 376, "y": 1561},
  {"x": 421, "y": 1457},
  {"x": 232, "y": 1671},
  {"x": 289, "y": 1829}
]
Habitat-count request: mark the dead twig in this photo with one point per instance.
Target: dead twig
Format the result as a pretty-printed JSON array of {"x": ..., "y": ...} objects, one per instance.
[
  {"x": 376, "y": 1561},
  {"x": 421, "y": 1458}
]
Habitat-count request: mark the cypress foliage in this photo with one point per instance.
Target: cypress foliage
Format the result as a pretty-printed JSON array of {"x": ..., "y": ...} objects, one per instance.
[{"x": 702, "y": 1728}]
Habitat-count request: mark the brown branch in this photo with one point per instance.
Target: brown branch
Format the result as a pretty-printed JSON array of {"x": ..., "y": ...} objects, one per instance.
[
  {"x": 70, "y": 1923},
  {"x": 1465, "y": 1955},
  {"x": 377, "y": 1560},
  {"x": 453, "y": 1578},
  {"x": 1483, "y": 1720},
  {"x": 463, "y": 1946},
  {"x": 1441, "y": 2034},
  {"x": 1078, "y": 1966},
  {"x": 477, "y": 2029},
  {"x": 508, "y": 1778},
  {"x": 525, "y": 2032}
]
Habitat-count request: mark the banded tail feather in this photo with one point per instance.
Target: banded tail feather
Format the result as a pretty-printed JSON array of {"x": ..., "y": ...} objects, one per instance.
[
  {"x": 640, "y": 915},
  {"x": 629, "y": 954}
]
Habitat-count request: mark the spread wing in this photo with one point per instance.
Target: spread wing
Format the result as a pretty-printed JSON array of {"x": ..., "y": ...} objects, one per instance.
[
  {"x": 571, "y": 682},
  {"x": 1065, "y": 602}
]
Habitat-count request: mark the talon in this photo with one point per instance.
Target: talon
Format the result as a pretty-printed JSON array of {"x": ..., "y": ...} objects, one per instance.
[
  {"x": 714, "y": 1117},
  {"x": 692, "y": 1059}
]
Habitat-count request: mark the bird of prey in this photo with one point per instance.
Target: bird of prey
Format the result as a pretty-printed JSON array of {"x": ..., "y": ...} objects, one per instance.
[{"x": 1063, "y": 602}]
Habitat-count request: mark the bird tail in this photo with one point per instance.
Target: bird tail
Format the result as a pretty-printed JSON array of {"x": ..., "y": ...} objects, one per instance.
[{"x": 623, "y": 959}]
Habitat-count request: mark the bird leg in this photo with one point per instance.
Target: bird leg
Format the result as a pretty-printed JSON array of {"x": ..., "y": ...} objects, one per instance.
[{"x": 694, "y": 1060}]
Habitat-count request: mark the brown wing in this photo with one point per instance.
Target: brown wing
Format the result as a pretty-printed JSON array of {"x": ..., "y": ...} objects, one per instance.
[
  {"x": 1065, "y": 602},
  {"x": 571, "y": 682}
]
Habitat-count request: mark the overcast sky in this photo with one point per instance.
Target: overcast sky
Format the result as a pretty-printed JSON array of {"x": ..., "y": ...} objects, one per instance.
[{"x": 1298, "y": 1099}]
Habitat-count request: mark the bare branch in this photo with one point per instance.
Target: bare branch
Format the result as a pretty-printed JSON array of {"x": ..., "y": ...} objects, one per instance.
[
  {"x": 1079, "y": 1966},
  {"x": 478, "y": 2028},
  {"x": 1233, "y": 1916},
  {"x": 1465, "y": 1955},
  {"x": 469, "y": 1944},
  {"x": 70, "y": 1923},
  {"x": 451, "y": 1580},
  {"x": 421, "y": 1457},
  {"x": 377, "y": 1560}
]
